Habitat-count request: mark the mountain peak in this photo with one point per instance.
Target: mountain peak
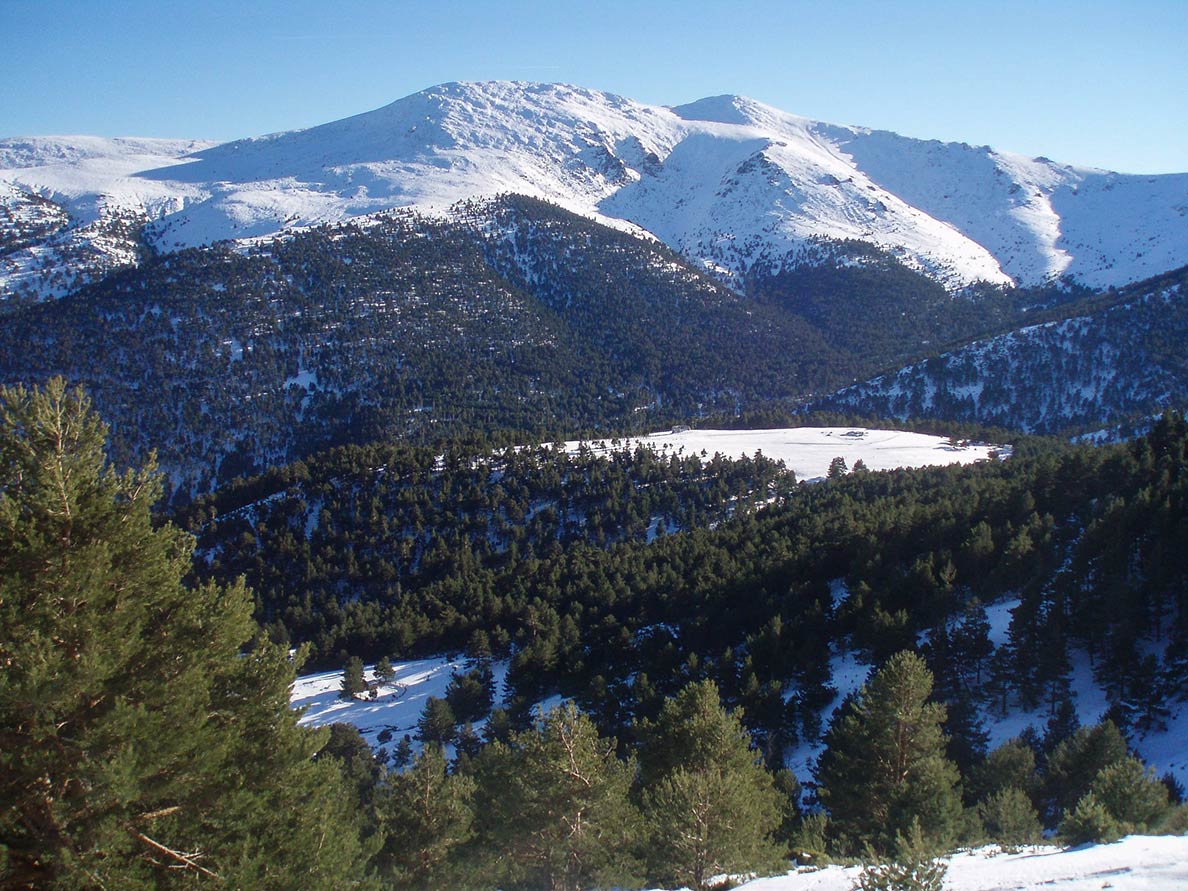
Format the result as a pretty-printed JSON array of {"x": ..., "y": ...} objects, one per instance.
[
  {"x": 724, "y": 109},
  {"x": 728, "y": 180}
]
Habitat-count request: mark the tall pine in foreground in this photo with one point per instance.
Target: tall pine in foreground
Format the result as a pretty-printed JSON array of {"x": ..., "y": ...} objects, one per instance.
[
  {"x": 710, "y": 805},
  {"x": 884, "y": 771},
  {"x": 146, "y": 739},
  {"x": 428, "y": 813},
  {"x": 553, "y": 811}
]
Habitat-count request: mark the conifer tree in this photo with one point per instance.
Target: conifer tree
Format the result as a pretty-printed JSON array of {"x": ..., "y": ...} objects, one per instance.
[
  {"x": 427, "y": 815},
  {"x": 1009, "y": 818},
  {"x": 1010, "y": 766},
  {"x": 146, "y": 739},
  {"x": 884, "y": 767},
  {"x": 1076, "y": 762},
  {"x": 384, "y": 670},
  {"x": 353, "y": 682},
  {"x": 553, "y": 808},
  {"x": 1132, "y": 795},
  {"x": 437, "y": 723},
  {"x": 709, "y": 804}
]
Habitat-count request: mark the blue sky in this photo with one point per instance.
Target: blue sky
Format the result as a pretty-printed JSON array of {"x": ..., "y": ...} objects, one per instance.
[{"x": 1096, "y": 83}]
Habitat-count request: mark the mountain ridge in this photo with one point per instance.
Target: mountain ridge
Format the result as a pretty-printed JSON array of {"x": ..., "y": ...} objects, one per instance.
[{"x": 730, "y": 182}]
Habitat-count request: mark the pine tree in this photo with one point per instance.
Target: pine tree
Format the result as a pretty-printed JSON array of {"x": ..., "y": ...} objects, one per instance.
[
  {"x": 1009, "y": 818},
  {"x": 427, "y": 815},
  {"x": 353, "y": 682},
  {"x": 1010, "y": 766},
  {"x": 884, "y": 766},
  {"x": 1076, "y": 762},
  {"x": 1090, "y": 821},
  {"x": 912, "y": 869},
  {"x": 147, "y": 740},
  {"x": 437, "y": 723},
  {"x": 709, "y": 804},
  {"x": 1134, "y": 796},
  {"x": 553, "y": 808},
  {"x": 384, "y": 670}
]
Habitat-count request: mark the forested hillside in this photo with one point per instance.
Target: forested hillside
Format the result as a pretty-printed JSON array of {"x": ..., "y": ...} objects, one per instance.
[
  {"x": 525, "y": 563},
  {"x": 706, "y": 652},
  {"x": 515, "y": 316},
  {"x": 1120, "y": 357}
]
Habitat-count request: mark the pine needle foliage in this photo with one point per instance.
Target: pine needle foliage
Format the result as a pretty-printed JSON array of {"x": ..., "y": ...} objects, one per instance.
[
  {"x": 146, "y": 739},
  {"x": 553, "y": 810},
  {"x": 710, "y": 806},
  {"x": 884, "y": 767}
]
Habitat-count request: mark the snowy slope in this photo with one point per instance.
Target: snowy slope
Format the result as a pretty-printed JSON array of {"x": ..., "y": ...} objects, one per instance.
[
  {"x": 808, "y": 451},
  {"x": 729, "y": 181},
  {"x": 1134, "y": 863},
  {"x": 398, "y": 703},
  {"x": 83, "y": 196},
  {"x": 1039, "y": 219}
]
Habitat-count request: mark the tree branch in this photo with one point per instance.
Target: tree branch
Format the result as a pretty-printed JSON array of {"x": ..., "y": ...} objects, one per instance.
[{"x": 186, "y": 860}]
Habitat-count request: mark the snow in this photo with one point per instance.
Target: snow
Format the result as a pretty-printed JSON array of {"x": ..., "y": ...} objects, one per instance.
[
  {"x": 1136, "y": 863},
  {"x": 398, "y": 705},
  {"x": 731, "y": 182},
  {"x": 1070, "y": 373},
  {"x": 847, "y": 675},
  {"x": 808, "y": 451}
]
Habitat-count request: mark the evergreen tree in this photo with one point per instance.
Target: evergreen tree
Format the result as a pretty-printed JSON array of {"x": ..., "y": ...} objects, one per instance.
[
  {"x": 912, "y": 869},
  {"x": 1090, "y": 821},
  {"x": 384, "y": 670},
  {"x": 1132, "y": 795},
  {"x": 709, "y": 804},
  {"x": 353, "y": 682},
  {"x": 553, "y": 808},
  {"x": 437, "y": 723},
  {"x": 1010, "y": 766},
  {"x": 884, "y": 766},
  {"x": 402, "y": 757},
  {"x": 1076, "y": 762},
  {"x": 147, "y": 735},
  {"x": 966, "y": 732},
  {"x": 427, "y": 815},
  {"x": 1009, "y": 818}
]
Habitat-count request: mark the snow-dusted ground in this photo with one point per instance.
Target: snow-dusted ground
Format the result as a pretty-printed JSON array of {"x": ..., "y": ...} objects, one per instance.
[
  {"x": 727, "y": 180},
  {"x": 808, "y": 451},
  {"x": 1137, "y": 863},
  {"x": 397, "y": 706}
]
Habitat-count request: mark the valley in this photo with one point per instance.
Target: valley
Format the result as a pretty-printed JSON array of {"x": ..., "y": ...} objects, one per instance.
[{"x": 517, "y": 450}]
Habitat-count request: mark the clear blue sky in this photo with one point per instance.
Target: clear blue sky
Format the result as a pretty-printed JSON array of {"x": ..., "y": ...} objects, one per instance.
[{"x": 1086, "y": 82}]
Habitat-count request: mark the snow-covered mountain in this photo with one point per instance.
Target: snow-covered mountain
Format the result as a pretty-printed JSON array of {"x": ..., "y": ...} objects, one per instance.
[{"x": 729, "y": 181}]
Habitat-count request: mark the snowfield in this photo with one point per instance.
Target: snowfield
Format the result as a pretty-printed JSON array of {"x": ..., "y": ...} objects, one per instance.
[
  {"x": 1136, "y": 863},
  {"x": 732, "y": 183},
  {"x": 808, "y": 451},
  {"x": 398, "y": 703}
]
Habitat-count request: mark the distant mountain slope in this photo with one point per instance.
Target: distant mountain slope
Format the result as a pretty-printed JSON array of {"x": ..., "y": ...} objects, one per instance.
[
  {"x": 511, "y": 315},
  {"x": 1122, "y": 360},
  {"x": 731, "y": 183},
  {"x": 72, "y": 207}
]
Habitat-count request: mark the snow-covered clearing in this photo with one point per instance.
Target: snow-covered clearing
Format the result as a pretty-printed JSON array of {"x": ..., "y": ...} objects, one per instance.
[
  {"x": 1137, "y": 862},
  {"x": 398, "y": 703},
  {"x": 808, "y": 451}
]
